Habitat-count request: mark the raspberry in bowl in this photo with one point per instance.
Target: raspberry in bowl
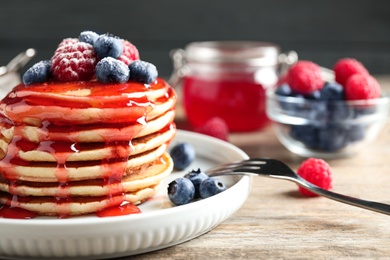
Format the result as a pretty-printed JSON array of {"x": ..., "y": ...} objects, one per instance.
[{"x": 327, "y": 113}]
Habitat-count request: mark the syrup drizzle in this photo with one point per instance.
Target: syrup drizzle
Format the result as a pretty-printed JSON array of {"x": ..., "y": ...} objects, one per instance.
[{"x": 31, "y": 102}]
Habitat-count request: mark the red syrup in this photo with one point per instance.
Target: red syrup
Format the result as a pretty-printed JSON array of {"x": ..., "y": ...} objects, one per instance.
[
  {"x": 121, "y": 210},
  {"x": 15, "y": 213},
  {"x": 28, "y": 100},
  {"x": 241, "y": 103}
]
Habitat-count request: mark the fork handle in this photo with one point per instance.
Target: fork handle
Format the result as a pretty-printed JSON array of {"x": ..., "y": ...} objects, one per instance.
[{"x": 365, "y": 204}]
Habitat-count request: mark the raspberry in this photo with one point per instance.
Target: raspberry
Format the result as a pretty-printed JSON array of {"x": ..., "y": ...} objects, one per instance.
[
  {"x": 215, "y": 127},
  {"x": 67, "y": 41},
  {"x": 73, "y": 62},
  {"x": 130, "y": 52},
  {"x": 304, "y": 77},
  {"x": 363, "y": 87},
  {"x": 344, "y": 68},
  {"x": 317, "y": 172}
]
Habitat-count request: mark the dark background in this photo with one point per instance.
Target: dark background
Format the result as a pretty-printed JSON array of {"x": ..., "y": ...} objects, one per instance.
[{"x": 322, "y": 31}]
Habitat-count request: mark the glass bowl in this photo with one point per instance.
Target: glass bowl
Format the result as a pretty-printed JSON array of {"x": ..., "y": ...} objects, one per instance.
[{"x": 333, "y": 129}]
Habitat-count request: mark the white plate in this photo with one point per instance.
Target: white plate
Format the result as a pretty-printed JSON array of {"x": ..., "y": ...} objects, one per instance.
[{"x": 160, "y": 224}]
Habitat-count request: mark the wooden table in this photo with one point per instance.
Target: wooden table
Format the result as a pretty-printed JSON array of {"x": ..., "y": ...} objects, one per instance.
[{"x": 278, "y": 223}]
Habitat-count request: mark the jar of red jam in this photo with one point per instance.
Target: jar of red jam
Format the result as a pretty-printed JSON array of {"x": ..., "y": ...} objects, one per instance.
[{"x": 227, "y": 79}]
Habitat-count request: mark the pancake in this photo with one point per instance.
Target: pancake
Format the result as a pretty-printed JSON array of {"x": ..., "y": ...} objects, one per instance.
[
  {"x": 86, "y": 196},
  {"x": 79, "y": 151}
]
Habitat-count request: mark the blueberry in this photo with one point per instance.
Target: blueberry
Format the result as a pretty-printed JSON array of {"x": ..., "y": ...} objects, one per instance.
[
  {"x": 315, "y": 95},
  {"x": 339, "y": 111},
  {"x": 143, "y": 71},
  {"x": 38, "y": 73},
  {"x": 112, "y": 70},
  {"x": 332, "y": 138},
  {"x": 307, "y": 134},
  {"x": 356, "y": 133},
  {"x": 284, "y": 90},
  {"x": 108, "y": 46},
  {"x": 183, "y": 154},
  {"x": 88, "y": 37},
  {"x": 332, "y": 91},
  {"x": 211, "y": 186},
  {"x": 181, "y": 191},
  {"x": 196, "y": 177}
]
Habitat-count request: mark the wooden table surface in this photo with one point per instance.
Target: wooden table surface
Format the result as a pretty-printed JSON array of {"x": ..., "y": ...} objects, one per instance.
[{"x": 276, "y": 222}]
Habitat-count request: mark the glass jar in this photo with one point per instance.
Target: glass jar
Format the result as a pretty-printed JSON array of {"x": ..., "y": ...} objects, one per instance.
[{"x": 228, "y": 79}]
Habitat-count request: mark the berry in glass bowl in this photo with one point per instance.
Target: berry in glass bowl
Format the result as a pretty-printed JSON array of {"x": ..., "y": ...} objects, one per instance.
[{"x": 315, "y": 115}]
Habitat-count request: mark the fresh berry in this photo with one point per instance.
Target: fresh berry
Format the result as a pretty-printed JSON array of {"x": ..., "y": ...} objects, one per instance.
[
  {"x": 130, "y": 52},
  {"x": 362, "y": 87},
  {"x": 143, "y": 71},
  {"x": 210, "y": 187},
  {"x": 215, "y": 127},
  {"x": 284, "y": 90},
  {"x": 112, "y": 70},
  {"x": 317, "y": 172},
  {"x": 183, "y": 154},
  {"x": 73, "y": 62},
  {"x": 346, "y": 67},
  {"x": 332, "y": 137},
  {"x": 305, "y": 77},
  {"x": 332, "y": 91},
  {"x": 181, "y": 191},
  {"x": 38, "y": 73},
  {"x": 88, "y": 37},
  {"x": 108, "y": 46},
  {"x": 196, "y": 177},
  {"x": 307, "y": 134},
  {"x": 68, "y": 41}
]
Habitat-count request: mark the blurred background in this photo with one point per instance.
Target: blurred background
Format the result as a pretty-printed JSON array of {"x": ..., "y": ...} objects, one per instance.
[{"x": 321, "y": 31}]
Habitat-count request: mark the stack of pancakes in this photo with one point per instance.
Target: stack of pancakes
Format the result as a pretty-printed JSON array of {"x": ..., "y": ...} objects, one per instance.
[{"x": 80, "y": 147}]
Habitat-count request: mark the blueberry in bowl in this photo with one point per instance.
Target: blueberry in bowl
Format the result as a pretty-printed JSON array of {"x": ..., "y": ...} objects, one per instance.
[{"x": 327, "y": 113}]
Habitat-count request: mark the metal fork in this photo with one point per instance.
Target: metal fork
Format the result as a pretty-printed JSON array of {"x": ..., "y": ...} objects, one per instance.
[{"x": 279, "y": 170}]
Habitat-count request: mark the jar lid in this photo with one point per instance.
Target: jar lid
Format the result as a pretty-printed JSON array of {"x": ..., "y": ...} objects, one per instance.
[{"x": 234, "y": 52}]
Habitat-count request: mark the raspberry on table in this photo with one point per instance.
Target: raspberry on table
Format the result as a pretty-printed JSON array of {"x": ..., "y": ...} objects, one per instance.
[
  {"x": 346, "y": 67},
  {"x": 130, "y": 52},
  {"x": 74, "y": 62},
  {"x": 362, "y": 87},
  {"x": 317, "y": 172},
  {"x": 304, "y": 77},
  {"x": 215, "y": 127}
]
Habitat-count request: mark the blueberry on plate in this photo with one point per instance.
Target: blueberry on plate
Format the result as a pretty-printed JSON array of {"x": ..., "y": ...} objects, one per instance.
[
  {"x": 38, "y": 73},
  {"x": 88, "y": 37},
  {"x": 143, "y": 71},
  {"x": 196, "y": 177},
  {"x": 108, "y": 46},
  {"x": 112, "y": 70},
  {"x": 182, "y": 154},
  {"x": 210, "y": 187},
  {"x": 181, "y": 191}
]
